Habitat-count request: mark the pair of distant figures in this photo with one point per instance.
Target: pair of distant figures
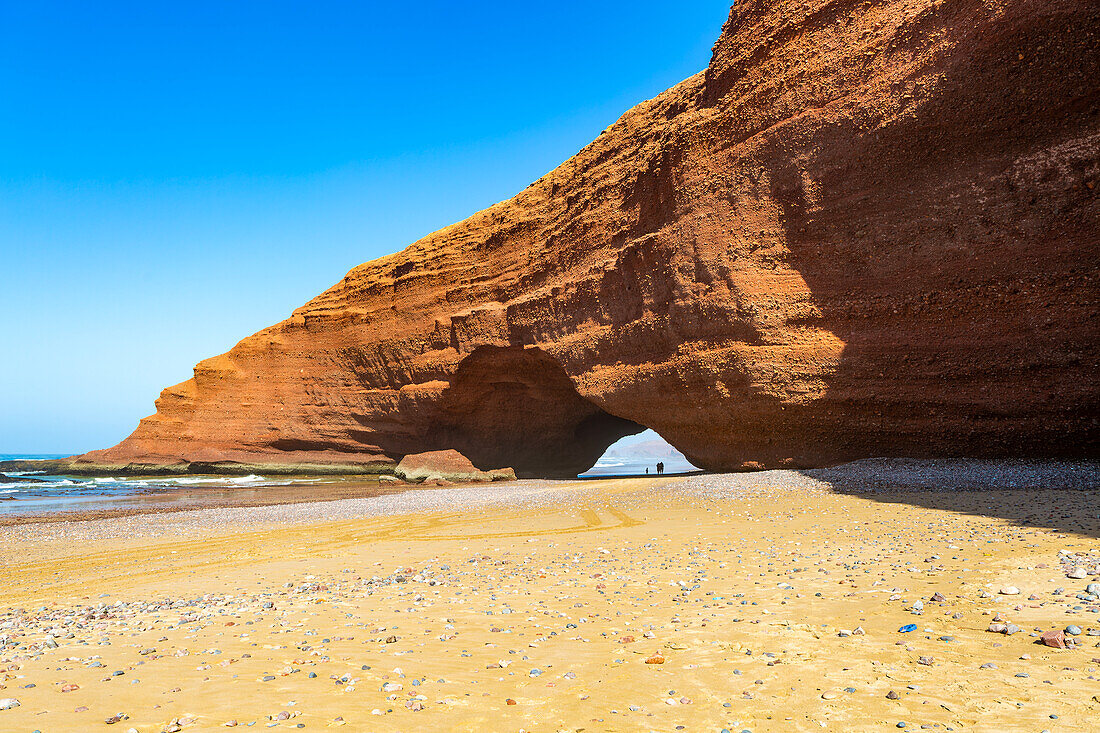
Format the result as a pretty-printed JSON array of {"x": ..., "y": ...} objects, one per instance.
[{"x": 660, "y": 468}]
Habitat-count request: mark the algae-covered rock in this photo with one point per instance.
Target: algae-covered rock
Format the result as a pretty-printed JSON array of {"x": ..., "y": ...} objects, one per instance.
[{"x": 447, "y": 466}]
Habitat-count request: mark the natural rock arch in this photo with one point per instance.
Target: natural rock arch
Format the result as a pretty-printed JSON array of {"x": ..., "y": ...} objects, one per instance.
[{"x": 860, "y": 232}]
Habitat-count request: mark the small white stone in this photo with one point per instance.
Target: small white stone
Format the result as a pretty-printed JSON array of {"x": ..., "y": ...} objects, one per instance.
[{"x": 1010, "y": 590}]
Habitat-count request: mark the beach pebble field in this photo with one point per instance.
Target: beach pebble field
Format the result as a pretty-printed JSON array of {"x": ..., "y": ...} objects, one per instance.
[{"x": 925, "y": 595}]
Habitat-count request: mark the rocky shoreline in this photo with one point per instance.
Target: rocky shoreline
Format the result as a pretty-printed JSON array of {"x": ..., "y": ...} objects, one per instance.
[
  {"x": 436, "y": 466},
  {"x": 73, "y": 467}
]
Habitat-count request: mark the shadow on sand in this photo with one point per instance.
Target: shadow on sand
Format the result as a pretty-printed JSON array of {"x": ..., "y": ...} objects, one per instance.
[
  {"x": 1061, "y": 495},
  {"x": 1056, "y": 494}
]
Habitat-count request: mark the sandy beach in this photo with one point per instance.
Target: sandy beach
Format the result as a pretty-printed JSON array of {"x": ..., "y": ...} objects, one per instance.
[{"x": 761, "y": 601}]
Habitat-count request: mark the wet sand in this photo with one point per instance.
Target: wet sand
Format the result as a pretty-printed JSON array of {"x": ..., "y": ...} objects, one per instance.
[
  {"x": 537, "y": 605},
  {"x": 187, "y": 499}
]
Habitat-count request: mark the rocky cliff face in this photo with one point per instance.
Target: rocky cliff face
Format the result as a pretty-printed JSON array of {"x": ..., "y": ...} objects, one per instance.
[{"x": 867, "y": 228}]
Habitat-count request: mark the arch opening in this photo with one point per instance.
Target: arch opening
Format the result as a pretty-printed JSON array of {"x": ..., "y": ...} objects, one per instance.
[
  {"x": 638, "y": 455},
  {"x": 516, "y": 406}
]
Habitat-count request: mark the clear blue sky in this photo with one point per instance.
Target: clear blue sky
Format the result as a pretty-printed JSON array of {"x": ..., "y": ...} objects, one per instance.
[{"x": 176, "y": 176}]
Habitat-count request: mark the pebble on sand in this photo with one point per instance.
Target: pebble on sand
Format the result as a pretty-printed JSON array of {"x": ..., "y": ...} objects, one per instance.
[{"x": 1056, "y": 639}]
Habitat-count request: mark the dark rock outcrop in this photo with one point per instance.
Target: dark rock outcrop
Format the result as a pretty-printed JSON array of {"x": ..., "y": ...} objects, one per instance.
[{"x": 447, "y": 466}]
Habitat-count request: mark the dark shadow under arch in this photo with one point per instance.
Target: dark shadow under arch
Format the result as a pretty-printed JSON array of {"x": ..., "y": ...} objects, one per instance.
[{"x": 516, "y": 406}]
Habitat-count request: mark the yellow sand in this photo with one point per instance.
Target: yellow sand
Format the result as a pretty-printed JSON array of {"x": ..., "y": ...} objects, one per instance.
[{"x": 609, "y": 562}]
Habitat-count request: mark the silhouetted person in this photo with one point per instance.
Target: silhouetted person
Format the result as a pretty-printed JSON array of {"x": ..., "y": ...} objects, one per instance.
[
  {"x": 660, "y": 468},
  {"x": 647, "y": 470}
]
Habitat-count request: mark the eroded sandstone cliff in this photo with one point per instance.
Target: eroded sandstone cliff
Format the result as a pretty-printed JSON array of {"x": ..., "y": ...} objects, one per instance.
[{"x": 867, "y": 228}]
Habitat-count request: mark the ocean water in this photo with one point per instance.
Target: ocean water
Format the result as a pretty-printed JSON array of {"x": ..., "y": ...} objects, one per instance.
[{"x": 48, "y": 493}]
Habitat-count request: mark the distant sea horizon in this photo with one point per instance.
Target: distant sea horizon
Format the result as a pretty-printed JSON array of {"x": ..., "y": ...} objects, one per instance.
[{"x": 33, "y": 456}]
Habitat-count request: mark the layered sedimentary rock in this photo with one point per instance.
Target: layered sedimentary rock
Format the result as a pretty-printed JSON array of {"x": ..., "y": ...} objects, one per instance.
[{"x": 867, "y": 228}]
